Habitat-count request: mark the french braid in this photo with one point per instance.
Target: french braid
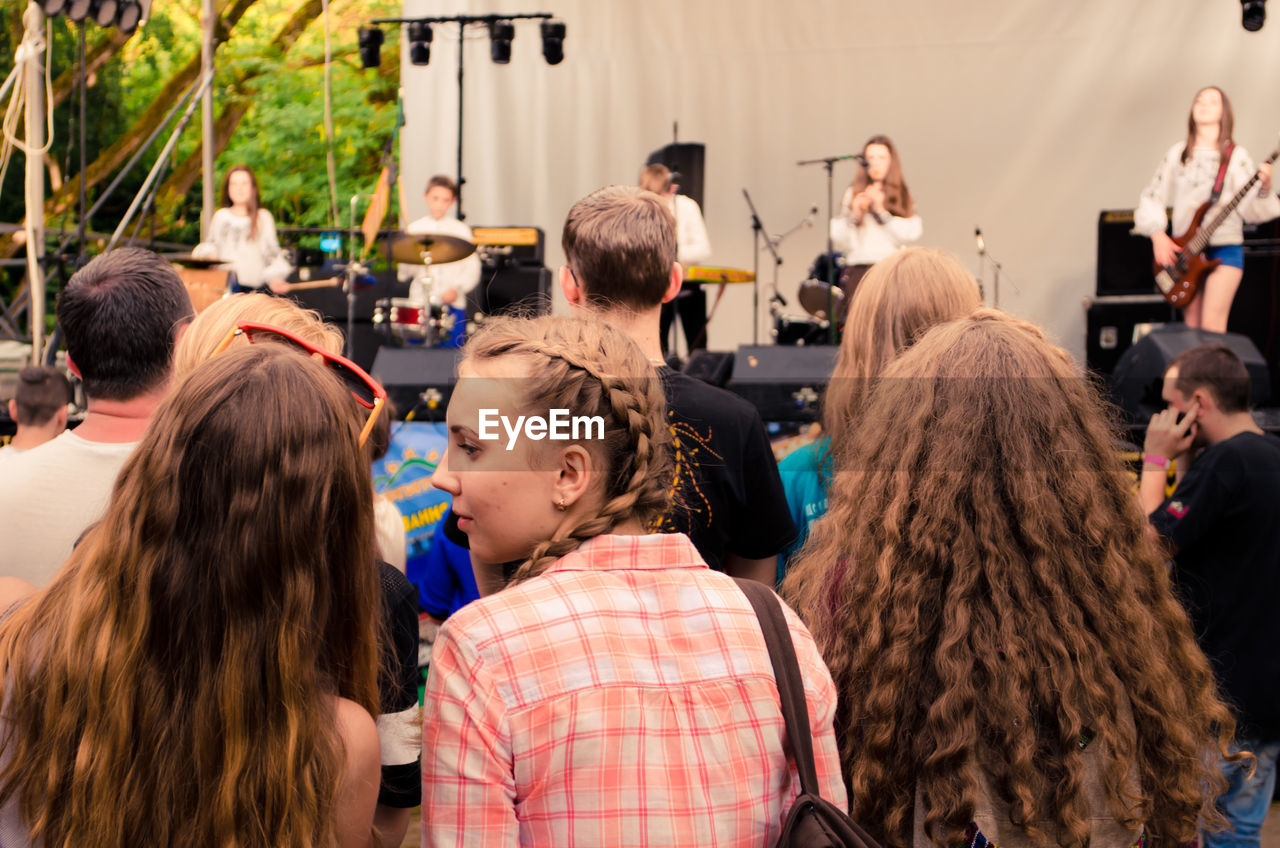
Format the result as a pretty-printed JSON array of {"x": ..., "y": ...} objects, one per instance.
[{"x": 585, "y": 365}]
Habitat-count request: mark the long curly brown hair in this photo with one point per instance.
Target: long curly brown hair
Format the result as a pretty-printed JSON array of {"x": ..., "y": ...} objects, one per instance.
[
  {"x": 174, "y": 684},
  {"x": 986, "y": 591}
]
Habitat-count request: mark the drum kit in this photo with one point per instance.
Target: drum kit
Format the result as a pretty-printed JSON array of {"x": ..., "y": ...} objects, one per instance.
[{"x": 419, "y": 320}]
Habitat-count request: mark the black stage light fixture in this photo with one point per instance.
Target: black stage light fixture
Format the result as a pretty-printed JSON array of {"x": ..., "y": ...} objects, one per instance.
[
  {"x": 104, "y": 12},
  {"x": 1253, "y": 14},
  {"x": 370, "y": 47},
  {"x": 78, "y": 10},
  {"x": 500, "y": 35},
  {"x": 52, "y": 7},
  {"x": 129, "y": 16},
  {"x": 553, "y": 42},
  {"x": 420, "y": 36}
]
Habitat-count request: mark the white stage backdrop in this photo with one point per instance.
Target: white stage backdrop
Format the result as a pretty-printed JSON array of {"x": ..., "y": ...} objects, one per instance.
[{"x": 1025, "y": 118}]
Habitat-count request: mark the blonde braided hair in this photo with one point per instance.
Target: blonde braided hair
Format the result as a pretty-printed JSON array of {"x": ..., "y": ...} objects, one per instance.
[{"x": 584, "y": 365}]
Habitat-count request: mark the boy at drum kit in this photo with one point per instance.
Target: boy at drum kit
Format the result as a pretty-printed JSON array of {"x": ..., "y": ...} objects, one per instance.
[{"x": 437, "y": 290}]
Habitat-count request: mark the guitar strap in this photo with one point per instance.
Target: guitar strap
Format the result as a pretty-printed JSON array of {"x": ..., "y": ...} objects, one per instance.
[{"x": 1222, "y": 173}]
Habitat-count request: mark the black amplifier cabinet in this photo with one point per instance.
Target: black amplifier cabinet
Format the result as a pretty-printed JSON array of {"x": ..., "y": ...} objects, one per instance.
[
  {"x": 1114, "y": 324},
  {"x": 501, "y": 246},
  {"x": 1124, "y": 260},
  {"x": 784, "y": 383},
  {"x": 524, "y": 289}
]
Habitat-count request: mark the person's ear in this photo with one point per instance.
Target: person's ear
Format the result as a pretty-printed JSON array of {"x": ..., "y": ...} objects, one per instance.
[
  {"x": 61, "y": 417},
  {"x": 569, "y": 286},
  {"x": 573, "y": 480},
  {"x": 1205, "y": 399},
  {"x": 674, "y": 284},
  {"x": 13, "y": 410}
]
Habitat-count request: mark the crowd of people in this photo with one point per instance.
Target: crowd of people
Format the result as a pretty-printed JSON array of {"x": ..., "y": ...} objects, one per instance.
[{"x": 1000, "y": 641}]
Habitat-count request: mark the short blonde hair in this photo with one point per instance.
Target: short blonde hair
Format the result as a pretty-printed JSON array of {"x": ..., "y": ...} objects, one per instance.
[{"x": 211, "y": 326}]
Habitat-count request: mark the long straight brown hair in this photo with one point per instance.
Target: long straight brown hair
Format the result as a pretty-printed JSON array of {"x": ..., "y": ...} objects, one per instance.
[
  {"x": 1225, "y": 128},
  {"x": 173, "y": 685},
  {"x": 897, "y": 197},
  {"x": 255, "y": 200}
]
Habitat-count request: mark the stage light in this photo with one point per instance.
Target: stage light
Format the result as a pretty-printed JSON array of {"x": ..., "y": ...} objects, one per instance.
[
  {"x": 500, "y": 35},
  {"x": 129, "y": 16},
  {"x": 1253, "y": 14},
  {"x": 553, "y": 42},
  {"x": 78, "y": 10},
  {"x": 420, "y": 36},
  {"x": 52, "y": 7},
  {"x": 370, "y": 47},
  {"x": 104, "y": 12}
]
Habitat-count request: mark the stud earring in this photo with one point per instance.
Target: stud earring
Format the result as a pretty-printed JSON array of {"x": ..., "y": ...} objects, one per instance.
[{"x": 561, "y": 505}]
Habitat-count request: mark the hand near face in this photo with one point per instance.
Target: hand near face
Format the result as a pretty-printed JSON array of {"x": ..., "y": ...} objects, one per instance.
[{"x": 1170, "y": 436}]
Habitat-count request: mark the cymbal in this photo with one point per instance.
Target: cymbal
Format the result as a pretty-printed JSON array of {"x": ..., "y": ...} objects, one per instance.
[
  {"x": 415, "y": 250},
  {"x": 816, "y": 297},
  {"x": 711, "y": 274},
  {"x": 186, "y": 260}
]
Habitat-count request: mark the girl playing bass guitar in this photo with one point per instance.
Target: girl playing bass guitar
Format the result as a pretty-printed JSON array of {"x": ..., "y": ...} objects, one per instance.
[{"x": 1185, "y": 179}]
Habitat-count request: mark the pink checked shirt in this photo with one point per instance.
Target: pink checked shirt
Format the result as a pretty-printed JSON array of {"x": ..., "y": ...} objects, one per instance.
[{"x": 622, "y": 698}]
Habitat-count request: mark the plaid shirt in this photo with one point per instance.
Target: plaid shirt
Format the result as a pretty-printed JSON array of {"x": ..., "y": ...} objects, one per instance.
[{"x": 623, "y": 698}]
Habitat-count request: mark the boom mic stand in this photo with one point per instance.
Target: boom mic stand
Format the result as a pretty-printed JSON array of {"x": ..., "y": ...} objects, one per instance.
[
  {"x": 828, "y": 162},
  {"x": 757, "y": 230}
]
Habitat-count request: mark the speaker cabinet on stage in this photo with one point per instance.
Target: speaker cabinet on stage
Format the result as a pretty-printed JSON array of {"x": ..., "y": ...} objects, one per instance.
[
  {"x": 418, "y": 378},
  {"x": 1124, "y": 260},
  {"x": 1255, "y": 312},
  {"x": 504, "y": 288},
  {"x": 713, "y": 367},
  {"x": 687, "y": 162},
  {"x": 784, "y": 383},
  {"x": 1139, "y": 375},
  {"x": 1113, "y": 324}
]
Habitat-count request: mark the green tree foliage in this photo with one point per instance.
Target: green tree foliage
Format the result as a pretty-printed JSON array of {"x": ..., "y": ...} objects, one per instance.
[{"x": 269, "y": 105}]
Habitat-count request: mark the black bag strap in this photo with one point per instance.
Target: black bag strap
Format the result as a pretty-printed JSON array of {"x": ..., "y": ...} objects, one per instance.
[
  {"x": 1222, "y": 174},
  {"x": 786, "y": 672}
]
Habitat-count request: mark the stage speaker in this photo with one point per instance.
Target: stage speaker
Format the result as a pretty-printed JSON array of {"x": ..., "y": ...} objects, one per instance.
[
  {"x": 511, "y": 288},
  {"x": 1113, "y": 324},
  {"x": 418, "y": 379},
  {"x": 687, "y": 162},
  {"x": 784, "y": 383},
  {"x": 1139, "y": 375},
  {"x": 1124, "y": 260},
  {"x": 712, "y": 367}
]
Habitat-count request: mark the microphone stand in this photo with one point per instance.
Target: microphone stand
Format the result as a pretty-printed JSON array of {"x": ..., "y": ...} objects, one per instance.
[
  {"x": 828, "y": 162},
  {"x": 985, "y": 256},
  {"x": 757, "y": 230}
]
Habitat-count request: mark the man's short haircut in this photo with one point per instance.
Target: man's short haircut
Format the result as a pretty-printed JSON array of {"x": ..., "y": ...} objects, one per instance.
[
  {"x": 120, "y": 315},
  {"x": 42, "y": 390},
  {"x": 655, "y": 178},
  {"x": 620, "y": 244},
  {"x": 441, "y": 181},
  {"x": 1215, "y": 368}
]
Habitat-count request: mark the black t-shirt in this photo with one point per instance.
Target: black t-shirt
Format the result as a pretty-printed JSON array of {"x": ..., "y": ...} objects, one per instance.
[
  {"x": 1225, "y": 519},
  {"x": 398, "y": 687},
  {"x": 728, "y": 495}
]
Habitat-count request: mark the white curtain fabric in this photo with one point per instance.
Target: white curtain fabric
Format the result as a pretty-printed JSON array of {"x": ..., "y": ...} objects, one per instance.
[{"x": 1024, "y": 118}]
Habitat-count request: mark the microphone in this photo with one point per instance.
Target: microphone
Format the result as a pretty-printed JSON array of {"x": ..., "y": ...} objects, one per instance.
[
  {"x": 982, "y": 245},
  {"x": 778, "y": 297},
  {"x": 809, "y": 221}
]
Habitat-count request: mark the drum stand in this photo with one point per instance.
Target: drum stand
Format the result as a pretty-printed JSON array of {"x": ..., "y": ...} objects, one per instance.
[{"x": 833, "y": 279}]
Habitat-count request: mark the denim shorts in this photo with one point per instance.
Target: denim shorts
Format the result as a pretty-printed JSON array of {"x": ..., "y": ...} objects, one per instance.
[{"x": 1230, "y": 254}]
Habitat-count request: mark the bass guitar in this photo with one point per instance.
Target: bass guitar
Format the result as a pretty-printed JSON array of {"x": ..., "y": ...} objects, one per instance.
[{"x": 1180, "y": 282}]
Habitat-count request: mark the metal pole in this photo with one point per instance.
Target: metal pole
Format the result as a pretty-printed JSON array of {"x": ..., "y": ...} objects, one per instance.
[
  {"x": 462, "y": 27},
  {"x": 34, "y": 78},
  {"x": 209, "y": 20}
]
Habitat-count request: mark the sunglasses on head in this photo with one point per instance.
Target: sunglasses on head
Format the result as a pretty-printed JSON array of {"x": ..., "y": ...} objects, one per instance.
[{"x": 363, "y": 388}]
